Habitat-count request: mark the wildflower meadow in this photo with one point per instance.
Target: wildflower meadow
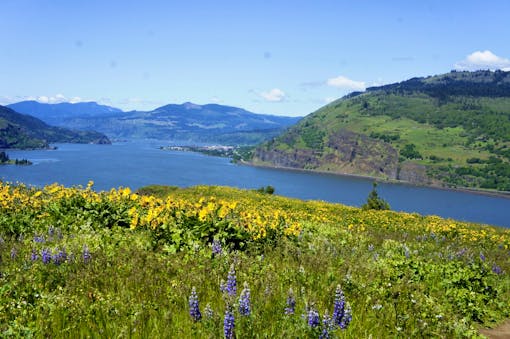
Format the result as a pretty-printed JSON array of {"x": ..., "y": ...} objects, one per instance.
[{"x": 218, "y": 262}]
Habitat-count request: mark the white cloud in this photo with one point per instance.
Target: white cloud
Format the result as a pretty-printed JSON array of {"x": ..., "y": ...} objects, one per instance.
[
  {"x": 43, "y": 99},
  {"x": 483, "y": 60},
  {"x": 329, "y": 100},
  {"x": 74, "y": 100},
  {"x": 216, "y": 100},
  {"x": 274, "y": 95},
  {"x": 55, "y": 99},
  {"x": 346, "y": 83}
]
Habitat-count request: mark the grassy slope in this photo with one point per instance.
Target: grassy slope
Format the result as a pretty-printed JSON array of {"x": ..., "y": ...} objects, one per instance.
[
  {"x": 446, "y": 131},
  {"x": 403, "y": 274},
  {"x": 449, "y": 142}
]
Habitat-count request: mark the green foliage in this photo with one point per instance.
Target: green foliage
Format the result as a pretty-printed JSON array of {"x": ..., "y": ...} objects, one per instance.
[
  {"x": 410, "y": 152},
  {"x": 4, "y": 160},
  {"x": 243, "y": 153},
  {"x": 313, "y": 137},
  {"x": 384, "y": 136},
  {"x": 3, "y": 157},
  {"x": 266, "y": 190},
  {"x": 159, "y": 191},
  {"x": 374, "y": 202}
]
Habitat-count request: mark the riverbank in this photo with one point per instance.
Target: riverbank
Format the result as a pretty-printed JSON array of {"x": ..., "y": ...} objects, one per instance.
[{"x": 480, "y": 191}]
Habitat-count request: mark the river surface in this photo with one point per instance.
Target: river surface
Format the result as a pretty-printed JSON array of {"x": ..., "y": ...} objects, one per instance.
[{"x": 137, "y": 164}]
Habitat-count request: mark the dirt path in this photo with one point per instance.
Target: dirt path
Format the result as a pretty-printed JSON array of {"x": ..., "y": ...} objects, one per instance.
[{"x": 500, "y": 332}]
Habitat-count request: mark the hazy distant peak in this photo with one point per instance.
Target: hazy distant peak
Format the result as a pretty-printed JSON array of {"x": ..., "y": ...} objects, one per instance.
[{"x": 190, "y": 105}]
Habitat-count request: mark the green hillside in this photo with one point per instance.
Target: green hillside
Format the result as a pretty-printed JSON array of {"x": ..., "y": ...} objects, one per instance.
[
  {"x": 25, "y": 132},
  {"x": 449, "y": 130}
]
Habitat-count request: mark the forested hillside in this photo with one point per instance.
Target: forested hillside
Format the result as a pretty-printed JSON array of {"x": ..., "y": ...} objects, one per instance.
[{"x": 24, "y": 131}]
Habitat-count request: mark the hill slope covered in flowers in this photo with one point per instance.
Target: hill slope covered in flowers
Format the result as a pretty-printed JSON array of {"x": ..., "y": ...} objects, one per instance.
[{"x": 216, "y": 261}]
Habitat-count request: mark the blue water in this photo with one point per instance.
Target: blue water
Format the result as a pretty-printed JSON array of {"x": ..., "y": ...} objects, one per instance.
[{"x": 137, "y": 164}]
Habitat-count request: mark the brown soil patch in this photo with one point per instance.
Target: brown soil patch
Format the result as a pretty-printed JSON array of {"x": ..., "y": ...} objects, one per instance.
[{"x": 500, "y": 332}]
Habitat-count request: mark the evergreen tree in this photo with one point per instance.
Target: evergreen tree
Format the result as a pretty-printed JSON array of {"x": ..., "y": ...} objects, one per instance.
[
  {"x": 3, "y": 157},
  {"x": 374, "y": 202}
]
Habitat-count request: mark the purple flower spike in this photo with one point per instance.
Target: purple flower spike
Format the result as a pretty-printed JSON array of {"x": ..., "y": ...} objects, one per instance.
[
  {"x": 313, "y": 318},
  {"x": 232, "y": 281},
  {"x": 291, "y": 303},
  {"x": 229, "y": 324},
  {"x": 342, "y": 310},
  {"x": 244, "y": 301},
  {"x": 216, "y": 247},
  {"x": 194, "y": 308},
  {"x": 86, "y": 254},
  {"x": 46, "y": 256}
]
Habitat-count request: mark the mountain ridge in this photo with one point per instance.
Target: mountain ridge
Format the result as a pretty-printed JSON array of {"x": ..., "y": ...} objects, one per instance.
[
  {"x": 25, "y": 131},
  {"x": 187, "y": 121}
]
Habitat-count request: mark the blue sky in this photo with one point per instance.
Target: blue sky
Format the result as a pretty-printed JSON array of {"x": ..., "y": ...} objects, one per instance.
[{"x": 276, "y": 57}]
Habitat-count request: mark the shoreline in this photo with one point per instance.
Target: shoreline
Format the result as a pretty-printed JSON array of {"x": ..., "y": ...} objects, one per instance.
[{"x": 382, "y": 180}]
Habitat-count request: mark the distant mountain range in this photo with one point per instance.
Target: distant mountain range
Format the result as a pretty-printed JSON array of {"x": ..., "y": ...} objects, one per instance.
[
  {"x": 451, "y": 129},
  {"x": 25, "y": 131},
  {"x": 186, "y": 122}
]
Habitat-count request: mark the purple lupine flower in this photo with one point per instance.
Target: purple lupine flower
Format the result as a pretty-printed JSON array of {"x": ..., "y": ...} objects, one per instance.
[
  {"x": 51, "y": 231},
  {"x": 496, "y": 269},
  {"x": 461, "y": 252},
  {"x": 231, "y": 281},
  {"x": 86, "y": 254},
  {"x": 370, "y": 247},
  {"x": 482, "y": 257},
  {"x": 194, "y": 307},
  {"x": 339, "y": 306},
  {"x": 229, "y": 324},
  {"x": 39, "y": 239},
  {"x": 244, "y": 301},
  {"x": 46, "y": 255},
  {"x": 208, "y": 311},
  {"x": 14, "y": 253},
  {"x": 346, "y": 320},
  {"x": 34, "y": 255},
  {"x": 223, "y": 286},
  {"x": 60, "y": 257},
  {"x": 327, "y": 327},
  {"x": 291, "y": 303},
  {"x": 216, "y": 247},
  {"x": 313, "y": 318}
]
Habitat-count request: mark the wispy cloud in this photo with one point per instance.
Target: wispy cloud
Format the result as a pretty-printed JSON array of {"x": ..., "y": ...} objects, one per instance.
[
  {"x": 346, "y": 83},
  {"x": 483, "y": 60},
  {"x": 274, "y": 95}
]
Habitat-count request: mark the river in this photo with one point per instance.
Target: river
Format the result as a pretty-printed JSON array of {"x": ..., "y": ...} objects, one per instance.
[{"x": 137, "y": 164}]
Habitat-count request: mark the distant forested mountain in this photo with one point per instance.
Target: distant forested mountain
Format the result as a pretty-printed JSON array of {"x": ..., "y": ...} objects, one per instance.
[
  {"x": 451, "y": 130},
  {"x": 54, "y": 114},
  {"x": 188, "y": 121},
  {"x": 24, "y": 131}
]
